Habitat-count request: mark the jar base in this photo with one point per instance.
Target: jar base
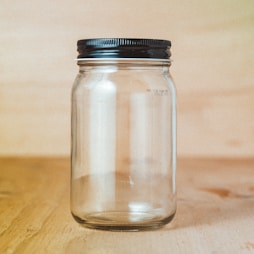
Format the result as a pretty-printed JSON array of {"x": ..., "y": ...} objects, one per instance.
[{"x": 122, "y": 221}]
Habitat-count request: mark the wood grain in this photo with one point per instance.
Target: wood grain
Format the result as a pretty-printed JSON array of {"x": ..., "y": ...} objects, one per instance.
[
  {"x": 212, "y": 49},
  {"x": 215, "y": 211}
]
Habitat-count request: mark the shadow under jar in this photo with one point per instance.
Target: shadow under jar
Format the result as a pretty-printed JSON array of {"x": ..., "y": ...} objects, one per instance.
[{"x": 123, "y": 154}]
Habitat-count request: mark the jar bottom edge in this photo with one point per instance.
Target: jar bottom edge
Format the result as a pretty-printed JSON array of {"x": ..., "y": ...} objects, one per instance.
[{"x": 139, "y": 222}]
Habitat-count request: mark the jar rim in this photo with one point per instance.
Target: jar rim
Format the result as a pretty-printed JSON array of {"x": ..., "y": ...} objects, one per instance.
[{"x": 123, "y": 59}]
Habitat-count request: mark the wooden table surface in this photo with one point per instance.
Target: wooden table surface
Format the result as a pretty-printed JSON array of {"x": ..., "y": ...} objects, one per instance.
[{"x": 215, "y": 211}]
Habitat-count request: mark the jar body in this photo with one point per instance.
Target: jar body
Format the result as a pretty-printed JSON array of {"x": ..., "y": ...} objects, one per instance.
[{"x": 123, "y": 157}]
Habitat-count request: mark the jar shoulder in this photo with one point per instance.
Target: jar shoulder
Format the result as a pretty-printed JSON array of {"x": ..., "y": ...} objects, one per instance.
[{"x": 123, "y": 81}]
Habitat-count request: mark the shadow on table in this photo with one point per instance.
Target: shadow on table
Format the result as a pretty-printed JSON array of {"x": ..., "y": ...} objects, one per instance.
[
  {"x": 215, "y": 206},
  {"x": 102, "y": 242}
]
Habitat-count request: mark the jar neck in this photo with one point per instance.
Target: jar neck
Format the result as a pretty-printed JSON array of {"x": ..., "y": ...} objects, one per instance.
[{"x": 127, "y": 63}]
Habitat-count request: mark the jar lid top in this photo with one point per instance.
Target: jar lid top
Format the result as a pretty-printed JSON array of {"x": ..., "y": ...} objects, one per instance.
[{"x": 124, "y": 48}]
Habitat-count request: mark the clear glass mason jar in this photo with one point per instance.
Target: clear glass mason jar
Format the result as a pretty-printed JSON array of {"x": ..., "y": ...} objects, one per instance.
[{"x": 123, "y": 156}]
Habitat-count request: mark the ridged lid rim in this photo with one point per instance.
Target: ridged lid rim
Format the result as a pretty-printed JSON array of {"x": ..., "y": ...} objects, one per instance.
[
  {"x": 116, "y": 42},
  {"x": 124, "y": 48}
]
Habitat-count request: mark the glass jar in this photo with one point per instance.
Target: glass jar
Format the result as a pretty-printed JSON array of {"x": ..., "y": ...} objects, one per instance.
[{"x": 123, "y": 156}]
